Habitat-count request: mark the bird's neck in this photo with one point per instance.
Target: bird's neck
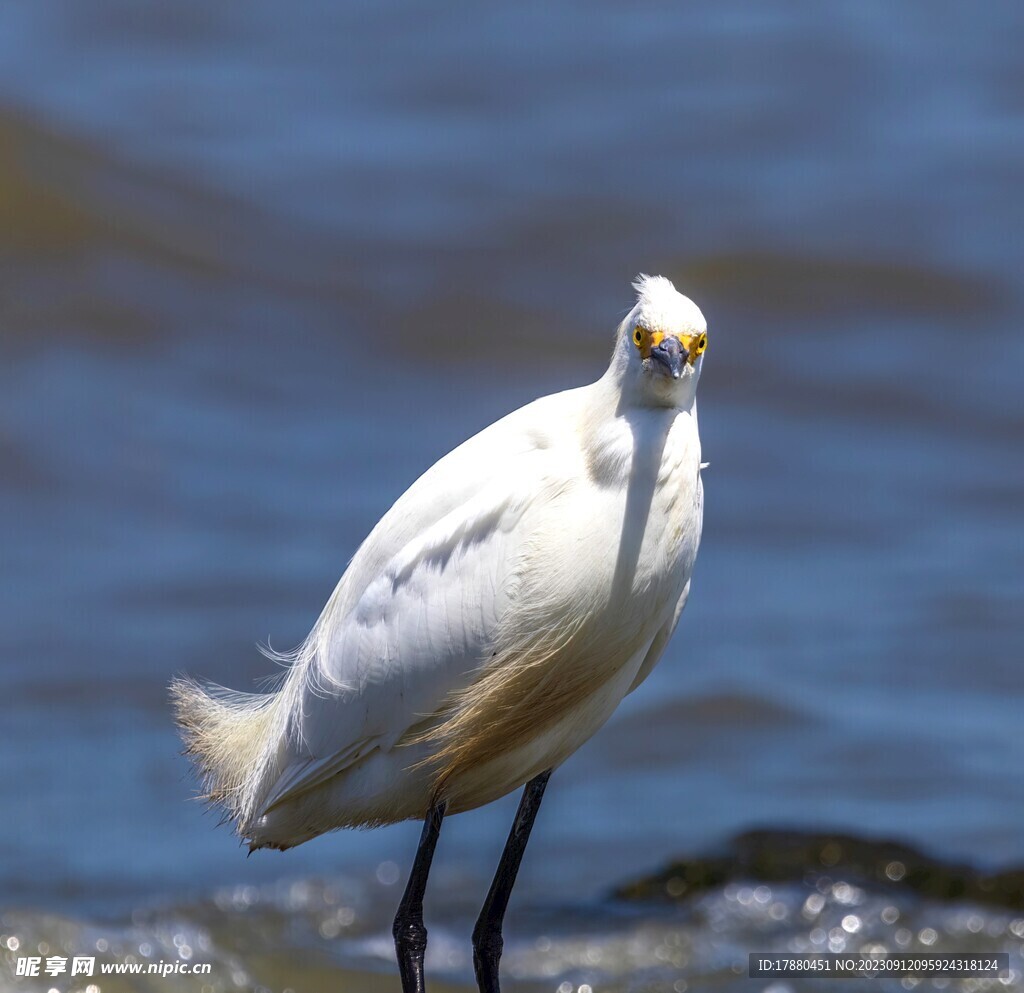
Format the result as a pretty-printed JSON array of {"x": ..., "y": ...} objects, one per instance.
[
  {"x": 627, "y": 386},
  {"x": 621, "y": 424}
]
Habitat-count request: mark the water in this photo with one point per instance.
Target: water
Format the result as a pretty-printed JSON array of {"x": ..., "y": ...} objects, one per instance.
[{"x": 262, "y": 268}]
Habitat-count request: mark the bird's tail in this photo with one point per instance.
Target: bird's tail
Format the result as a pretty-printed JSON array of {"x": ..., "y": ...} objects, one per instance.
[{"x": 234, "y": 739}]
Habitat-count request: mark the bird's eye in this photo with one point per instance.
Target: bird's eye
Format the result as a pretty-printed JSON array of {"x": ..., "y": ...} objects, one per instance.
[
  {"x": 702, "y": 343},
  {"x": 638, "y": 337}
]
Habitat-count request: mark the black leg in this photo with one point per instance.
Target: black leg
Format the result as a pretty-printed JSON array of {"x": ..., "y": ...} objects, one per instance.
[
  {"x": 409, "y": 931},
  {"x": 487, "y": 940}
]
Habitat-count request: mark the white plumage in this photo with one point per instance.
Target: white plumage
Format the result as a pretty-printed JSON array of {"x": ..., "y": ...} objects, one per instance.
[{"x": 494, "y": 618}]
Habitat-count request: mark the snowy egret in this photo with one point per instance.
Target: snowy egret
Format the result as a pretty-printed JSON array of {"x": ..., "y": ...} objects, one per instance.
[{"x": 486, "y": 628}]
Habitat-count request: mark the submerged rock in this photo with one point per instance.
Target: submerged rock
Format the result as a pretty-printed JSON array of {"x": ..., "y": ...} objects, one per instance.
[{"x": 776, "y": 855}]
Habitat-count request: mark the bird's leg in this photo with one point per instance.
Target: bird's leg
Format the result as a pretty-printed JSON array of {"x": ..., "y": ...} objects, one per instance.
[
  {"x": 409, "y": 930},
  {"x": 487, "y": 940}
]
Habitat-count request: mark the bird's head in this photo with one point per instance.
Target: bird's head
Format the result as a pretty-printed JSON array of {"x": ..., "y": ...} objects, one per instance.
[{"x": 661, "y": 343}]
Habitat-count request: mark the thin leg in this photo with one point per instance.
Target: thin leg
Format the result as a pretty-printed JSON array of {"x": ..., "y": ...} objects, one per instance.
[
  {"x": 409, "y": 931},
  {"x": 487, "y": 940}
]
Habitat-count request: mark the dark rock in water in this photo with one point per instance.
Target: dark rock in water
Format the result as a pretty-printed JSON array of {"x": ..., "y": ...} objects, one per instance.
[{"x": 774, "y": 855}]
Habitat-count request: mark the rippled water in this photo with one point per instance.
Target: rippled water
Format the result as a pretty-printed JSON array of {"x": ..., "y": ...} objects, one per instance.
[
  {"x": 306, "y": 934},
  {"x": 261, "y": 268}
]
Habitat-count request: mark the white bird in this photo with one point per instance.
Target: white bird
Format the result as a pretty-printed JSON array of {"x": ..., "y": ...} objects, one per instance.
[{"x": 487, "y": 627}]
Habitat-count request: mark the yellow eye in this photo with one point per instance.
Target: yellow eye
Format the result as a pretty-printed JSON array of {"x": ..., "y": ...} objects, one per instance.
[
  {"x": 638, "y": 337},
  {"x": 702, "y": 343}
]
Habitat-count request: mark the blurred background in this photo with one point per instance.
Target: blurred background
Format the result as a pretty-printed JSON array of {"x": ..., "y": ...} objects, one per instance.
[{"x": 263, "y": 263}]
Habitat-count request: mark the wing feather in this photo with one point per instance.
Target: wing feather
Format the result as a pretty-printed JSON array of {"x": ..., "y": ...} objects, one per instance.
[{"x": 418, "y": 631}]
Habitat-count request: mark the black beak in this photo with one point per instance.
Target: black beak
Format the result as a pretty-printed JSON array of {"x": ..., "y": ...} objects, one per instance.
[{"x": 671, "y": 355}]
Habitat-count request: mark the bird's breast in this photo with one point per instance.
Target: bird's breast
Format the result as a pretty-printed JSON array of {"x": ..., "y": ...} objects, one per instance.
[{"x": 635, "y": 521}]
